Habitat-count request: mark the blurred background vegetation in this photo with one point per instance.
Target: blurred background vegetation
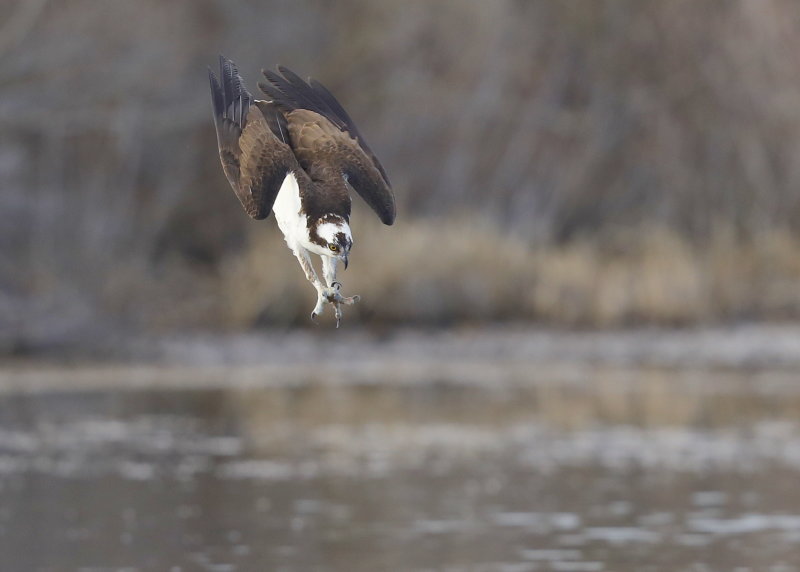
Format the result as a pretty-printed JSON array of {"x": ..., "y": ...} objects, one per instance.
[{"x": 591, "y": 164}]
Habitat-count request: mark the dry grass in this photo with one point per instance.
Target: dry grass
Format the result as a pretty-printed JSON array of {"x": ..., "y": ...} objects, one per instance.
[{"x": 436, "y": 272}]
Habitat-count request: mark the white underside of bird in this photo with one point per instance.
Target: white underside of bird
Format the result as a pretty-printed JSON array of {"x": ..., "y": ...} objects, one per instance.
[{"x": 294, "y": 226}]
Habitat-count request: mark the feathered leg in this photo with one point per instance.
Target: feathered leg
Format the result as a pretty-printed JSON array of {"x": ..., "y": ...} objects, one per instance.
[{"x": 311, "y": 274}]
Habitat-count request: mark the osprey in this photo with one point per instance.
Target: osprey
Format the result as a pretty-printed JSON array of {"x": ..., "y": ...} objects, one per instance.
[{"x": 298, "y": 153}]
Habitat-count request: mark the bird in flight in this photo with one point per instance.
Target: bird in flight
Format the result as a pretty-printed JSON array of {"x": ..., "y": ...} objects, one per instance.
[{"x": 298, "y": 153}]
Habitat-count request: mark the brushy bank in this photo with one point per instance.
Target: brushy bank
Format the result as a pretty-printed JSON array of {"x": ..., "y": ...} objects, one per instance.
[{"x": 435, "y": 273}]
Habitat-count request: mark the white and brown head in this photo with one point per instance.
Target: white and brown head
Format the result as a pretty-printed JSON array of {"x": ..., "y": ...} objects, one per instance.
[{"x": 331, "y": 236}]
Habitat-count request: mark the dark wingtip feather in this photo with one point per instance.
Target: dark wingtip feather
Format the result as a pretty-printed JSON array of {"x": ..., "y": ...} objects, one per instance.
[
  {"x": 268, "y": 89},
  {"x": 217, "y": 97},
  {"x": 231, "y": 98},
  {"x": 290, "y": 76},
  {"x": 275, "y": 96},
  {"x": 275, "y": 79},
  {"x": 290, "y": 91}
]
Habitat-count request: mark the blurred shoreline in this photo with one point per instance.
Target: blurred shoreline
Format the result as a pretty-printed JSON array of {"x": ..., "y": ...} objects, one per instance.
[{"x": 755, "y": 353}]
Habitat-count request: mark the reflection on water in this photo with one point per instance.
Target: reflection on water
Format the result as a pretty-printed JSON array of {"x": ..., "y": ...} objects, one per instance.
[{"x": 655, "y": 474}]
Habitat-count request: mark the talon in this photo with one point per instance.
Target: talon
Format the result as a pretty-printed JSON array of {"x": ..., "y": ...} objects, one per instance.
[
  {"x": 337, "y": 285},
  {"x": 314, "y": 317},
  {"x": 338, "y": 315}
]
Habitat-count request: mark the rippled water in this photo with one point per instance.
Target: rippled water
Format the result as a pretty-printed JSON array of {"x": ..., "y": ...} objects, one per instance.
[{"x": 652, "y": 473}]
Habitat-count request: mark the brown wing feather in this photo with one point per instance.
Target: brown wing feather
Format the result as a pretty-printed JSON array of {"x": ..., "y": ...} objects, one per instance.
[
  {"x": 318, "y": 145},
  {"x": 265, "y": 162},
  {"x": 336, "y": 108},
  {"x": 330, "y": 135},
  {"x": 255, "y": 162}
]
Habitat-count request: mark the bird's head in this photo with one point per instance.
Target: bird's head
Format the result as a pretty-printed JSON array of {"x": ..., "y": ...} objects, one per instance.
[{"x": 335, "y": 238}]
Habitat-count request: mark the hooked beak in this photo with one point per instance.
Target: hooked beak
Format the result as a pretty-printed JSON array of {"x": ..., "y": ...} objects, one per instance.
[{"x": 344, "y": 259}]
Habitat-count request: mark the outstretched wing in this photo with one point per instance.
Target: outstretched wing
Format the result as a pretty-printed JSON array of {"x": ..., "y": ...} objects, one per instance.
[
  {"x": 253, "y": 157},
  {"x": 323, "y": 134}
]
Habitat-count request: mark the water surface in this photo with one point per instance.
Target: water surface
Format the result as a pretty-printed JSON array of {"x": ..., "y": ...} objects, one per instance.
[{"x": 653, "y": 470}]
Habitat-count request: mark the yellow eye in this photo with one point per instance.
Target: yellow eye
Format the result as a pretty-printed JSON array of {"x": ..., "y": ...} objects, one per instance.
[{"x": 333, "y": 248}]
